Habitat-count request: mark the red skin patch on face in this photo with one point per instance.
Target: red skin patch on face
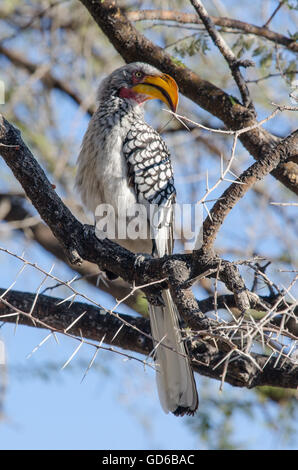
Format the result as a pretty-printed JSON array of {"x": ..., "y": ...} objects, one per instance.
[
  {"x": 128, "y": 93},
  {"x": 135, "y": 80}
]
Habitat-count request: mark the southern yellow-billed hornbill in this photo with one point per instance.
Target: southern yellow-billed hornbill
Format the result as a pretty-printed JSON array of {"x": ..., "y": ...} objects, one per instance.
[{"x": 123, "y": 162}]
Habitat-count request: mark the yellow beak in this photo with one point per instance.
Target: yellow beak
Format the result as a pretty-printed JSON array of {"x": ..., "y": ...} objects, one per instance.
[{"x": 162, "y": 87}]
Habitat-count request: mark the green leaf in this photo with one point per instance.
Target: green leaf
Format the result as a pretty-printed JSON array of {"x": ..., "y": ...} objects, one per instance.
[
  {"x": 178, "y": 62},
  {"x": 258, "y": 50},
  {"x": 266, "y": 60}
]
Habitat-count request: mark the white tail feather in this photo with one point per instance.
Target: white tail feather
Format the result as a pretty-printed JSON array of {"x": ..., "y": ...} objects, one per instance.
[{"x": 175, "y": 380}]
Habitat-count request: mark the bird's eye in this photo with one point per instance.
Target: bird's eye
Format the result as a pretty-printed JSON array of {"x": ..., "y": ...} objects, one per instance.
[{"x": 138, "y": 74}]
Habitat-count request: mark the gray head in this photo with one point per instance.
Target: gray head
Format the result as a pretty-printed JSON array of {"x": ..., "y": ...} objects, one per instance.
[{"x": 139, "y": 82}]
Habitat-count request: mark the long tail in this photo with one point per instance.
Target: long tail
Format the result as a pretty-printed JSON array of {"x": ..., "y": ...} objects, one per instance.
[{"x": 175, "y": 380}]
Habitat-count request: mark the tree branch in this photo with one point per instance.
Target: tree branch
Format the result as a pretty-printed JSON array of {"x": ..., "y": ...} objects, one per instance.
[
  {"x": 96, "y": 324},
  {"x": 190, "y": 18},
  {"x": 280, "y": 4},
  {"x": 227, "y": 53}
]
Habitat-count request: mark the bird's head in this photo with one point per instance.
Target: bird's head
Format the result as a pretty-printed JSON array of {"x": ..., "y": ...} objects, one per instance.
[{"x": 140, "y": 82}]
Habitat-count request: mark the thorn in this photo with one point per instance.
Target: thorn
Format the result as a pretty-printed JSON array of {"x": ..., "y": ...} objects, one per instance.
[
  {"x": 65, "y": 300},
  {"x": 75, "y": 321},
  {"x": 38, "y": 346},
  {"x": 73, "y": 355},
  {"x": 90, "y": 363},
  {"x": 117, "y": 332}
]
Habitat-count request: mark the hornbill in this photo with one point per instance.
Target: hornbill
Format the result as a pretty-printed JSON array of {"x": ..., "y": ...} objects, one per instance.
[{"x": 123, "y": 159}]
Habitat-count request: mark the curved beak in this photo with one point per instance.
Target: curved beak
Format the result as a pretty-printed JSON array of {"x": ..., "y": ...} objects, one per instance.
[{"x": 162, "y": 87}]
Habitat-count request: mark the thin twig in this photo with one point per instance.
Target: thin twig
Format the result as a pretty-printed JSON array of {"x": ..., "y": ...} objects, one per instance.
[
  {"x": 273, "y": 14},
  {"x": 227, "y": 53}
]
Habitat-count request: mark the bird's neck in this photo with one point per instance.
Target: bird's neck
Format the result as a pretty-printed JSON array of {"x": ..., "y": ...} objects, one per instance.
[
  {"x": 116, "y": 109},
  {"x": 114, "y": 118}
]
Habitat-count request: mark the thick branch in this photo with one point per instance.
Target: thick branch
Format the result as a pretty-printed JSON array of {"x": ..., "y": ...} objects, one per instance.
[{"x": 96, "y": 323}]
